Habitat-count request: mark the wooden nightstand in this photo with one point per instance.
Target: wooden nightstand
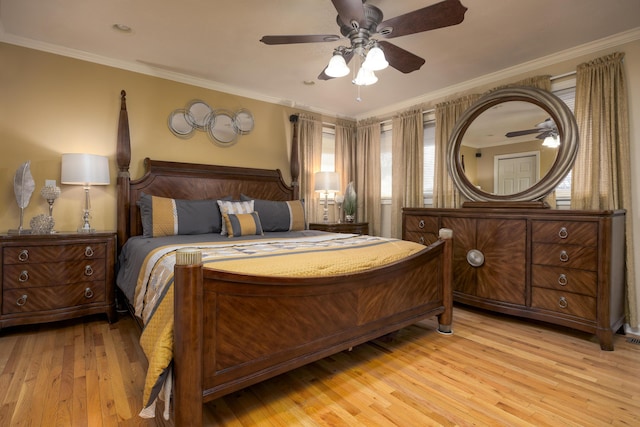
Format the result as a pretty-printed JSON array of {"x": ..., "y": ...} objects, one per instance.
[
  {"x": 57, "y": 276},
  {"x": 343, "y": 227}
]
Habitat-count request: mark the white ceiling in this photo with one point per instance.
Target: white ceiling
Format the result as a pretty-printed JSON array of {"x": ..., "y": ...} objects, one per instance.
[{"x": 216, "y": 43}]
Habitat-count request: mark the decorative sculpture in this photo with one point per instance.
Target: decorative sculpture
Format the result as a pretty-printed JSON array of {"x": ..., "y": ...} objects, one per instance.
[
  {"x": 23, "y": 186},
  {"x": 350, "y": 203}
]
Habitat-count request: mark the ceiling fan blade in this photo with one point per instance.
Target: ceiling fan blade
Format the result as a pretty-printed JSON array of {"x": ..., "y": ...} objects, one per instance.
[
  {"x": 347, "y": 57},
  {"x": 349, "y": 11},
  {"x": 309, "y": 38},
  {"x": 439, "y": 15},
  {"x": 400, "y": 59},
  {"x": 522, "y": 132}
]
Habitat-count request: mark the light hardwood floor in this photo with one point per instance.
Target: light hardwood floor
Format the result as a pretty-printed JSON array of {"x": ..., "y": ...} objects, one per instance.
[{"x": 493, "y": 370}]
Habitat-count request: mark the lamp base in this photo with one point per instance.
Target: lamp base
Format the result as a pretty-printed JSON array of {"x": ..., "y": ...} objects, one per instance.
[{"x": 86, "y": 230}]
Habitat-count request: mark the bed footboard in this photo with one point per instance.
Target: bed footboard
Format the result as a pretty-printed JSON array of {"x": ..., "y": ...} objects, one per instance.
[{"x": 232, "y": 331}]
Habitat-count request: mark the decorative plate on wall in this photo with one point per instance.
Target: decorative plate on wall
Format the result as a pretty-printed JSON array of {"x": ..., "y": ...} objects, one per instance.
[
  {"x": 243, "y": 122},
  {"x": 180, "y": 123},
  {"x": 222, "y": 130},
  {"x": 200, "y": 114}
]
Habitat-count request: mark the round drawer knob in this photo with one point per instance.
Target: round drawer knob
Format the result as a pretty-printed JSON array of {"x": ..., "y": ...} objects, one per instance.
[
  {"x": 564, "y": 256},
  {"x": 421, "y": 240},
  {"x": 563, "y": 303},
  {"x": 421, "y": 223},
  {"x": 562, "y": 280},
  {"x": 88, "y": 251},
  {"x": 24, "y": 276},
  {"x": 475, "y": 258},
  {"x": 21, "y": 301},
  {"x": 88, "y": 293},
  {"x": 563, "y": 233},
  {"x": 88, "y": 271},
  {"x": 23, "y": 256}
]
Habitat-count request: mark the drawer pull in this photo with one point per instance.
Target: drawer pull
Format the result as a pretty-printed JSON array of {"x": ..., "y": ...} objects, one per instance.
[
  {"x": 563, "y": 233},
  {"x": 21, "y": 301},
  {"x": 475, "y": 258},
  {"x": 564, "y": 256},
  {"x": 23, "y": 256},
  {"x": 88, "y": 251},
  {"x": 88, "y": 271},
  {"x": 562, "y": 280},
  {"x": 421, "y": 240},
  {"x": 421, "y": 223},
  {"x": 88, "y": 293},
  {"x": 24, "y": 276},
  {"x": 563, "y": 303}
]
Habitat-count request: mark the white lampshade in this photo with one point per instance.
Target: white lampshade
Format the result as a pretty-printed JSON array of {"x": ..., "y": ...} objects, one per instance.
[
  {"x": 327, "y": 181},
  {"x": 365, "y": 77},
  {"x": 337, "y": 66},
  {"x": 84, "y": 169},
  {"x": 375, "y": 60}
]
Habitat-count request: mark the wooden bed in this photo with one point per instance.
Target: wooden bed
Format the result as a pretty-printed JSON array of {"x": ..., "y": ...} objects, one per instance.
[{"x": 219, "y": 349}]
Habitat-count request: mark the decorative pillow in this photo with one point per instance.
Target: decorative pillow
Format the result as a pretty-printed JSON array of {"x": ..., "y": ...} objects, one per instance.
[
  {"x": 279, "y": 216},
  {"x": 242, "y": 224},
  {"x": 162, "y": 216},
  {"x": 231, "y": 207}
]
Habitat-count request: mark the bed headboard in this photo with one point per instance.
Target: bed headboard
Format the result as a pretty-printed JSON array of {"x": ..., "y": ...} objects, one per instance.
[{"x": 191, "y": 181}]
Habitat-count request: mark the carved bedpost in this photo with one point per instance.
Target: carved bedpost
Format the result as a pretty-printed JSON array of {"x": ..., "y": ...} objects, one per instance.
[
  {"x": 445, "y": 320},
  {"x": 123, "y": 160},
  {"x": 188, "y": 337},
  {"x": 295, "y": 161}
]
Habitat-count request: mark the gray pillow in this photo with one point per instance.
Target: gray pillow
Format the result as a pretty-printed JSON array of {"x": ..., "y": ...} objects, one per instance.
[{"x": 279, "y": 215}]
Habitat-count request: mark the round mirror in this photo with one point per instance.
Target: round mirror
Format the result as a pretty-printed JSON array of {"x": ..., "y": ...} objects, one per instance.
[{"x": 513, "y": 144}]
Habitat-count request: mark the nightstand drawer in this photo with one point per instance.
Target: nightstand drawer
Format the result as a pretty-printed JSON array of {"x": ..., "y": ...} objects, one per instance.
[
  {"x": 564, "y": 302},
  {"x": 569, "y": 256},
  {"x": 565, "y": 279},
  {"x": 52, "y": 297},
  {"x": 45, "y": 253},
  {"x": 49, "y": 273},
  {"x": 421, "y": 224}
]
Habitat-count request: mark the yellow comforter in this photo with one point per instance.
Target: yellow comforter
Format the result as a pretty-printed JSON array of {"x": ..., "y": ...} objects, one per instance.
[{"x": 326, "y": 255}]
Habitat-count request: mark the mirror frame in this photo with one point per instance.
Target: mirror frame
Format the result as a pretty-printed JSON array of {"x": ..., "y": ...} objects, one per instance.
[{"x": 567, "y": 151}]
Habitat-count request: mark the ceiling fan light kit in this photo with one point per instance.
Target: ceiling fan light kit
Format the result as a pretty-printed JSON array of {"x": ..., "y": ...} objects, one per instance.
[{"x": 359, "y": 21}]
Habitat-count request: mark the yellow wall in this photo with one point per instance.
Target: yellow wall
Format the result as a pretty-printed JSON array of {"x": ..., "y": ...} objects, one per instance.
[{"x": 50, "y": 104}]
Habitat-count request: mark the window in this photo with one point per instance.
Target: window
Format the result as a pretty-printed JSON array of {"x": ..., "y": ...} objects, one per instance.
[
  {"x": 568, "y": 95},
  {"x": 386, "y": 171},
  {"x": 328, "y": 162}
]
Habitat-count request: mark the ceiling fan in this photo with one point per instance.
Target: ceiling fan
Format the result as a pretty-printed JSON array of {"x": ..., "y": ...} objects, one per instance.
[
  {"x": 543, "y": 129},
  {"x": 359, "y": 21}
]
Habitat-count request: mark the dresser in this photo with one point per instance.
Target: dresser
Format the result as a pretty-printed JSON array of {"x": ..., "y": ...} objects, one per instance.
[
  {"x": 57, "y": 276},
  {"x": 564, "y": 267}
]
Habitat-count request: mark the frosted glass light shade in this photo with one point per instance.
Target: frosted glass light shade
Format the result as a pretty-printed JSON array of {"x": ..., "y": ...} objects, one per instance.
[
  {"x": 375, "y": 60},
  {"x": 365, "y": 77},
  {"x": 84, "y": 169},
  {"x": 337, "y": 66},
  {"x": 551, "y": 141}
]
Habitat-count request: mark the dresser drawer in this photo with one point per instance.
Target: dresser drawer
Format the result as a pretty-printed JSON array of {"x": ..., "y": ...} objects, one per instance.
[
  {"x": 564, "y": 302},
  {"x": 421, "y": 223},
  {"x": 572, "y": 233},
  {"x": 44, "y": 253},
  {"x": 569, "y": 256},
  {"x": 52, "y": 297},
  {"x": 50, "y": 273},
  {"x": 423, "y": 238},
  {"x": 565, "y": 279}
]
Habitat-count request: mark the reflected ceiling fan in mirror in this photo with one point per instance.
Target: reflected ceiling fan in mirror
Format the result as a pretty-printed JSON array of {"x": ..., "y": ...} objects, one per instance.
[
  {"x": 547, "y": 131},
  {"x": 359, "y": 22}
]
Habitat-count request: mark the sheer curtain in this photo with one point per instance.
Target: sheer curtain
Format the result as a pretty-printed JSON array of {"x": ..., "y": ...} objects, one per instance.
[
  {"x": 445, "y": 195},
  {"x": 367, "y": 175},
  {"x": 601, "y": 177},
  {"x": 310, "y": 136},
  {"x": 407, "y": 170},
  {"x": 345, "y": 153}
]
